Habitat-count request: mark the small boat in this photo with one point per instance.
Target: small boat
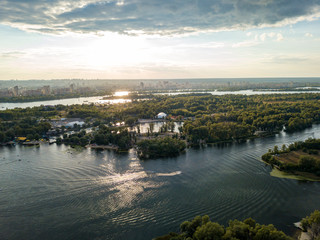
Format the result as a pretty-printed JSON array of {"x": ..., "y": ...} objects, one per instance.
[{"x": 31, "y": 143}]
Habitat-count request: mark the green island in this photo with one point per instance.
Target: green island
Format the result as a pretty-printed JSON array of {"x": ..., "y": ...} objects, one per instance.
[
  {"x": 201, "y": 228},
  {"x": 299, "y": 158},
  {"x": 160, "y": 147},
  {"x": 207, "y": 119}
]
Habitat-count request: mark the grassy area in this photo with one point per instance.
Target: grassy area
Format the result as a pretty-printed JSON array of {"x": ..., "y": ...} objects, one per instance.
[
  {"x": 299, "y": 160},
  {"x": 294, "y": 156},
  {"x": 304, "y": 176}
]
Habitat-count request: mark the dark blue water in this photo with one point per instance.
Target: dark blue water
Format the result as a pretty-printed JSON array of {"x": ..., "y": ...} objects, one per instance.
[{"x": 55, "y": 192}]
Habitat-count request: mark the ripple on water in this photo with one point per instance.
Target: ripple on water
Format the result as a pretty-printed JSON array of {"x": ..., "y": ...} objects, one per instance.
[{"x": 88, "y": 194}]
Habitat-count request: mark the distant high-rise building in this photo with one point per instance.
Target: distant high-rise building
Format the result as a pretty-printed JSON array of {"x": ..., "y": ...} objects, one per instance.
[
  {"x": 45, "y": 90},
  {"x": 15, "y": 91},
  {"x": 72, "y": 87}
]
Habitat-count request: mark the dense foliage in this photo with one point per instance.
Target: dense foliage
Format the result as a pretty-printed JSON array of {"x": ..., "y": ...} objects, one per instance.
[
  {"x": 207, "y": 118},
  {"x": 311, "y": 224},
  {"x": 201, "y": 228},
  {"x": 28, "y": 127},
  {"x": 160, "y": 147},
  {"x": 79, "y": 139},
  {"x": 307, "y": 163},
  {"x": 115, "y": 136}
]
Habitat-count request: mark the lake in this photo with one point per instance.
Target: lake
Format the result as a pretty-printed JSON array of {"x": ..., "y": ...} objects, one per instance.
[{"x": 56, "y": 192}]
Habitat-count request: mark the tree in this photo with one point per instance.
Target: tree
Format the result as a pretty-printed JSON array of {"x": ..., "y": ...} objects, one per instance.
[
  {"x": 30, "y": 137},
  {"x": 2, "y": 137},
  {"x": 130, "y": 121},
  {"x": 276, "y": 149},
  {"x": 36, "y": 136},
  {"x": 151, "y": 127},
  {"x": 201, "y": 228},
  {"x": 312, "y": 224},
  {"x": 209, "y": 231},
  {"x": 239, "y": 230},
  {"x": 269, "y": 232}
]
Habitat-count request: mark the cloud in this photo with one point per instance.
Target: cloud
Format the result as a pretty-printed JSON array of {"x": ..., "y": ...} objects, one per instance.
[
  {"x": 279, "y": 37},
  {"x": 245, "y": 44},
  {"x": 308, "y": 35},
  {"x": 163, "y": 17},
  {"x": 11, "y": 54},
  {"x": 272, "y": 35},
  {"x": 263, "y": 37},
  {"x": 286, "y": 59}
]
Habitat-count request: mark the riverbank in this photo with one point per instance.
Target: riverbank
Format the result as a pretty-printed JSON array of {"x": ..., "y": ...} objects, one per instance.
[{"x": 300, "y": 159}]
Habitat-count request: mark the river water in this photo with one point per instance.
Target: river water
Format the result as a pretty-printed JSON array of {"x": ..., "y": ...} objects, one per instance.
[
  {"x": 99, "y": 99},
  {"x": 56, "y": 192},
  {"x": 68, "y": 101}
]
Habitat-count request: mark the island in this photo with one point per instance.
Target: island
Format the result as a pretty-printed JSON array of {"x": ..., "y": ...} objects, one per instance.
[
  {"x": 204, "y": 119},
  {"x": 299, "y": 158},
  {"x": 160, "y": 147}
]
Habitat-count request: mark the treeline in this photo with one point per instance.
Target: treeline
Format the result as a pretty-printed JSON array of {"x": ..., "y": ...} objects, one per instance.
[
  {"x": 160, "y": 147},
  {"x": 311, "y": 224},
  {"x": 208, "y": 118},
  {"x": 230, "y": 117},
  {"x": 76, "y": 139},
  {"x": 307, "y": 163},
  {"x": 102, "y": 135},
  {"x": 29, "y": 127},
  {"x": 201, "y": 228},
  {"x": 114, "y": 136}
]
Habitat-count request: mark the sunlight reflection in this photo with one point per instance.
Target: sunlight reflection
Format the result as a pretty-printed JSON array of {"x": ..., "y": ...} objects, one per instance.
[
  {"x": 131, "y": 186},
  {"x": 121, "y": 93}
]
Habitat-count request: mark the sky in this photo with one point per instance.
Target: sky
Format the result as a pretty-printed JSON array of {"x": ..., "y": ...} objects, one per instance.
[{"x": 146, "y": 39}]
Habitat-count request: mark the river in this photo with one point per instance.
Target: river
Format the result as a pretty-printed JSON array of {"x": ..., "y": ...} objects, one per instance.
[
  {"x": 56, "y": 192},
  {"x": 89, "y": 100}
]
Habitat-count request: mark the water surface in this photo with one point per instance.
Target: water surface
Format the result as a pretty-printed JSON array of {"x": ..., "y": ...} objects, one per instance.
[
  {"x": 100, "y": 100},
  {"x": 55, "y": 192}
]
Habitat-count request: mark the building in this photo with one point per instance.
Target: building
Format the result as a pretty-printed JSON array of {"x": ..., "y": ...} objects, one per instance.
[
  {"x": 45, "y": 90},
  {"x": 72, "y": 88},
  {"x": 15, "y": 91},
  {"x": 161, "y": 115},
  {"x": 71, "y": 124}
]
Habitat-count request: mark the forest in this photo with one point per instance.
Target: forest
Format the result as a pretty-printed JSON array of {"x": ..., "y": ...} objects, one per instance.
[
  {"x": 202, "y": 228},
  {"x": 207, "y": 118},
  {"x": 160, "y": 147}
]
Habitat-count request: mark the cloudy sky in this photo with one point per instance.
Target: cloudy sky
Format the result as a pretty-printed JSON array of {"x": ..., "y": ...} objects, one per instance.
[{"x": 159, "y": 38}]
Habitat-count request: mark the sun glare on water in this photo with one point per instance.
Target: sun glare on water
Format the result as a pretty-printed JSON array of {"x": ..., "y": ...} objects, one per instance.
[{"x": 121, "y": 93}]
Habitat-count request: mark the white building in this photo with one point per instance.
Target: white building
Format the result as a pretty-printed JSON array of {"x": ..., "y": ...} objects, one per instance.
[
  {"x": 161, "y": 115},
  {"x": 71, "y": 124}
]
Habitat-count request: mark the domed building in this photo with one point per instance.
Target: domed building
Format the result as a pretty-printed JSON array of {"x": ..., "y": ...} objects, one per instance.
[{"x": 161, "y": 115}]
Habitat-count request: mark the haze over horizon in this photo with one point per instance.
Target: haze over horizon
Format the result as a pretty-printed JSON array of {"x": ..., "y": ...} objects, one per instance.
[{"x": 134, "y": 39}]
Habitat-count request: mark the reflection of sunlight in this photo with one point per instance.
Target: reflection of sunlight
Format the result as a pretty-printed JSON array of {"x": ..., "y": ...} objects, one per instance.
[
  {"x": 130, "y": 187},
  {"x": 121, "y": 93},
  {"x": 169, "y": 174},
  {"x": 127, "y": 187}
]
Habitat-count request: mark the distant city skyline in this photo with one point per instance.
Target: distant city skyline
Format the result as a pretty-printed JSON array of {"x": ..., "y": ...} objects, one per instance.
[{"x": 150, "y": 39}]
